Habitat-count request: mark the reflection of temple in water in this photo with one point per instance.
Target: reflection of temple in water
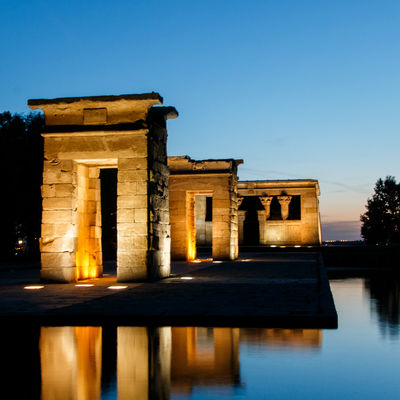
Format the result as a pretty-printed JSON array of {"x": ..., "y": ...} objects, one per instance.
[
  {"x": 149, "y": 363},
  {"x": 204, "y": 357},
  {"x": 291, "y": 338}
]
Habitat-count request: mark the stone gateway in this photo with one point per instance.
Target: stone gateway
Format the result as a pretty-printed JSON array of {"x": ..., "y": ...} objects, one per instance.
[{"x": 83, "y": 135}]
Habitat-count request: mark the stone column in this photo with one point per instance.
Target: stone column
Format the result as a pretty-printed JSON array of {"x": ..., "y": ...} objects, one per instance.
[
  {"x": 284, "y": 201},
  {"x": 59, "y": 231},
  {"x": 132, "y": 218},
  {"x": 262, "y": 224},
  {"x": 266, "y": 202},
  {"x": 242, "y": 217},
  {"x": 222, "y": 224},
  {"x": 233, "y": 217}
]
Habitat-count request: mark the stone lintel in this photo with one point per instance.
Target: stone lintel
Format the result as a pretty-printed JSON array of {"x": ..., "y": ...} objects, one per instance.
[
  {"x": 97, "y": 110},
  {"x": 97, "y": 99},
  {"x": 260, "y": 188},
  {"x": 183, "y": 165}
]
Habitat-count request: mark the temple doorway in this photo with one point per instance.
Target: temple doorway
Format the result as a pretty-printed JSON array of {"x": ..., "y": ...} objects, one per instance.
[
  {"x": 203, "y": 218},
  {"x": 251, "y": 231},
  {"x": 108, "y": 179}
]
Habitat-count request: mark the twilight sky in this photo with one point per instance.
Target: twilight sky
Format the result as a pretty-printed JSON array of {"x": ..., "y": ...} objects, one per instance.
[{"x": 297, "y": 88}]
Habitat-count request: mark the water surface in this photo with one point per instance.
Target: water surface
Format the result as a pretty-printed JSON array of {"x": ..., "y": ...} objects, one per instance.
[{"x": 359, "y": 360}]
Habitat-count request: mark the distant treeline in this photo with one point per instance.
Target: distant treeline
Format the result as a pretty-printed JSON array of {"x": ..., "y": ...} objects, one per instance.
[{"x": 21, "y": 146}]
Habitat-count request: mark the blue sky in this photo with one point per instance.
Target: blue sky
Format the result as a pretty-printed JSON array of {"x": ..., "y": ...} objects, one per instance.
[{"x": 298, "y": 89}]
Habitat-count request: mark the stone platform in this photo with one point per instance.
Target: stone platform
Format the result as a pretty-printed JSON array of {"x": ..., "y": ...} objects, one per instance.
[{"x": 281, "y": 290}]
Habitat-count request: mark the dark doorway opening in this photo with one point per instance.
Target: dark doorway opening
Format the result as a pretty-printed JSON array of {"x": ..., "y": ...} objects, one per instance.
[
  {"x": 251, "y": 230},
  {"x": 108, "y": 179}
]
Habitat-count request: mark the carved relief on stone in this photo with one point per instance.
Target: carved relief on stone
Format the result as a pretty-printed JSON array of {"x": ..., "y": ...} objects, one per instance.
[
  {"x": 266, "y": 202},
  {"x": 284, "y": 201},
  {"x": 239, "y": 201}
]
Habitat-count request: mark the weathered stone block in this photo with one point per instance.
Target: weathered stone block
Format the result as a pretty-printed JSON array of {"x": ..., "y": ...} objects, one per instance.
[
  {"x": 57, "y": 217},
  {"x": 126, "y": 215},
  {"x": 53, "y": 245},
  {"x": 64, "y": 189},
  {"x": 132, "y": 258},
  {"x": 141, "y": 215},
  {"x": 58, "y": 260},
  {"x": 133, "y": 163},
  {"x": 127, "y": 188},
  {"x": 50, "y": 177},
  {"x": 57, "y": 203},
  {"x": 48, "y": 190},
  {"x": 131, "y": 175},
  {"x": 58, "y": 230},
  {"x": 129, "y": 241},
  {"x": 60, "y": 275},
  {"x": 131, "y": 274}
]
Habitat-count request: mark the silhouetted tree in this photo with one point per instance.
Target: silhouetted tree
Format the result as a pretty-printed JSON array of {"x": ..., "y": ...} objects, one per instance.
[
  {"x": 381, "y": 222},
  {"x": 21, "y": 160}
]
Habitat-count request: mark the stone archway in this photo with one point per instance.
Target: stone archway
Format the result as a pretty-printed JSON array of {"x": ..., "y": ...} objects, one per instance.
[{"x": 83, "y": 135}]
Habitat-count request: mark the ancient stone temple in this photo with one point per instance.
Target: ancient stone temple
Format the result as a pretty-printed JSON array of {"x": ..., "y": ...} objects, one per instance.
[
  {"x": 82, "y": 136},
  {"x": 284, "y": 213},
  {"x": 206, "y": 182}
]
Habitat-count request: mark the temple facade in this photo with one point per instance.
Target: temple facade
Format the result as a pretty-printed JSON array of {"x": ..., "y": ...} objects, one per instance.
[
  {"x": 279, "y": 213},
  {"x": 166, "y": 206}
]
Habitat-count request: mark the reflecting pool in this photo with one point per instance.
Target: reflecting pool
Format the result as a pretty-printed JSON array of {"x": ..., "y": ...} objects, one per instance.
[{"x": 359, "y": 360}]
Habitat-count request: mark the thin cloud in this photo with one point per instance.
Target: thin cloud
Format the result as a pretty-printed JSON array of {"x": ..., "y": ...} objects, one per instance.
[{"x": 341, "y": 230}]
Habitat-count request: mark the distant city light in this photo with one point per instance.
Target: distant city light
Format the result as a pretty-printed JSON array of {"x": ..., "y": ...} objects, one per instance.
[{"x": 186, "y": 277}]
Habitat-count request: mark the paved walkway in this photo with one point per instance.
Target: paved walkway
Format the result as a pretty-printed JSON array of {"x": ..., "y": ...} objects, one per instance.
[{"x": 264, "y": 290}]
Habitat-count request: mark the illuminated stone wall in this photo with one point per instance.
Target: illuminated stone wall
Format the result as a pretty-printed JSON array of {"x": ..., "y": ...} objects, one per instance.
[
  {"x": 284, "y": 231},
  {"x": 83, "y": 135},
  {"x": 208, "y": 177}
]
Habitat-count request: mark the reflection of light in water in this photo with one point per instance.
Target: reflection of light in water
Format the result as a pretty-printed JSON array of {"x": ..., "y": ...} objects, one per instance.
[
  {"x": 84, "y": 285},
  {"x": 71, "y": 362},
  {"x": 186, "y": 277}
]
